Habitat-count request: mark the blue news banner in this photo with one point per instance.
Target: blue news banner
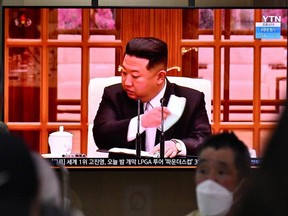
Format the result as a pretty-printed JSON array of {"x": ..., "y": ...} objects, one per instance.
[
  {"x": 267, "y": 30},
  {"x": 132, "y": 162}
]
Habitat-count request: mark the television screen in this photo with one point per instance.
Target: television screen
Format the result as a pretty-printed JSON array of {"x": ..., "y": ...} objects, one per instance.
[{"x": 57, "y": 61}]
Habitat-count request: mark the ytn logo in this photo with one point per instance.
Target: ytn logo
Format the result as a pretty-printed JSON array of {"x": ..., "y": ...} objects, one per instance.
[{"x": 272, "y": 19}]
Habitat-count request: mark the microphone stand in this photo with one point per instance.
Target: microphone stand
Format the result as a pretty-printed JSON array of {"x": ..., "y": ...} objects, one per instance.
[
  {"x": 138, "y": 141},
  {"x": 162, "y": 137}
]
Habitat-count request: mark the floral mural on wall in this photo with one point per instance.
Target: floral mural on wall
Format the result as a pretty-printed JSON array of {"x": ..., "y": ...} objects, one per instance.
[
  {"x": 103, "y": 18},
  {"x": 100, "y": 18},
  {"x": 69, "y": 18}
]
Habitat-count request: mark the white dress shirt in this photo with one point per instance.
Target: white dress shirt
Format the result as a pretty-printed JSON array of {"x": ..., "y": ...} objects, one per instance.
[{"x": 150, "y": 139}]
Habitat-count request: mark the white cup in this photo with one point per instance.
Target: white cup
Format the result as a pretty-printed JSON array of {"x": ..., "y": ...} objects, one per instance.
[{"x": 60, "y": 142}]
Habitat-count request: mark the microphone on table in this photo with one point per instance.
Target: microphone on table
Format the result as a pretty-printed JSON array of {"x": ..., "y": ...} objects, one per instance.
[
  {"x": 162, "y": 137},
  {"x": 138, "y": 140}
]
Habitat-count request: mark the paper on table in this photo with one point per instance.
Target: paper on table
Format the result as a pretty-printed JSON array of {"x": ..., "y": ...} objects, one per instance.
[
  {"x": 131, "y": 152},
  {"x": 52, "y": 155},
  {"x": 176, "y": 106}
]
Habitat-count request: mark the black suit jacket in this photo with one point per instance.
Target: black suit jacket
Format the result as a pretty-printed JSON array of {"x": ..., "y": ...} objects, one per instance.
[{"x": 117, "y": 109}]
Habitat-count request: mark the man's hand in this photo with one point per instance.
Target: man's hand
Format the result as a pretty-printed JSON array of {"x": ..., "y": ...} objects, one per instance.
[
  {"x": 152, "y": 118},
  {"x": 170, "y": 149}
]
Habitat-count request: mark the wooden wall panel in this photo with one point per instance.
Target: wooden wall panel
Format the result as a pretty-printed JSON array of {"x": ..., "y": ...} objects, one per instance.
[
  {"x": 168, "y": 27},
  {"x": 135, "y": 23}
]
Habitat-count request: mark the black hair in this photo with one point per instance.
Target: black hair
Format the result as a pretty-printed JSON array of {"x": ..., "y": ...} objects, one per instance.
[
  {"x": 230, "y": 140},
  {"x": 153, "y": 49}
]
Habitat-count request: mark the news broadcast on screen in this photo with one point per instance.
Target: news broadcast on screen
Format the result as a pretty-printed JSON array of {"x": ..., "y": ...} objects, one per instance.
[{"x": 58, "y": 62}]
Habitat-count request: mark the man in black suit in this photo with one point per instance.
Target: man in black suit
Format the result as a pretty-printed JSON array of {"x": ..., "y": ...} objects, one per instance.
[{"x": 144, "y": 78}]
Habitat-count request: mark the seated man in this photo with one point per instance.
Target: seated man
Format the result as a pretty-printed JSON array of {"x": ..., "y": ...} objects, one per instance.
[
  {"x": 144, "y": 78},
  {"x": 223, "y": 167}
]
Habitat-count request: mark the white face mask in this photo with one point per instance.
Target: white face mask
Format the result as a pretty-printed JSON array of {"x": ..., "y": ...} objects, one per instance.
[{"x": 213, "y": 199}]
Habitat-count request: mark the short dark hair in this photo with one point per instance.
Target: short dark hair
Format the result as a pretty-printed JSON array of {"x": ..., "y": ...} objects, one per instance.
[
  {"x": 230, "y": 140},
  {"x": 153, "y": 49}
]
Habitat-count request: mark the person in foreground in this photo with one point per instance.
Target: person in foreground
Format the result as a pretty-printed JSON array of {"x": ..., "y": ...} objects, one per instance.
[
  {"x": 18, "y": 178},
  {"x": 28, "y": 184},
  {"x": 268, "y": 191},
  {"x": 144, "y": 78},
  {"x": 221, "y": 176}
]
